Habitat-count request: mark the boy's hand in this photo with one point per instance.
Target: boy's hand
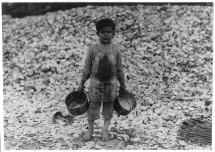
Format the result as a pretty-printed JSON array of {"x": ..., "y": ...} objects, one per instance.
[
  {"x": 81, "y": 87},
  {"x": 122, "y": 90}
]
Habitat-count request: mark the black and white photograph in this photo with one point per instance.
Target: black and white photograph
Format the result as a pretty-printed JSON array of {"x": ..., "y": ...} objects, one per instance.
[{"x": 113, "y": 75}]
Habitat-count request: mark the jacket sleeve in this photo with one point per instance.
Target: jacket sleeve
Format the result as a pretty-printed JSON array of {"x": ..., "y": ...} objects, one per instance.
[
  {"x": 86, "y": 72},
  {"x": 120, "y": 71}
]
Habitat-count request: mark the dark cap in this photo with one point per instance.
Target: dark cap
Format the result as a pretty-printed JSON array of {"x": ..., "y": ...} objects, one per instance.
[{"x": 105, "y": 22}]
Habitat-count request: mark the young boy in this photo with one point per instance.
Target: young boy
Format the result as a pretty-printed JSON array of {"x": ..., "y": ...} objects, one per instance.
[{"x": 103, "y": 66}]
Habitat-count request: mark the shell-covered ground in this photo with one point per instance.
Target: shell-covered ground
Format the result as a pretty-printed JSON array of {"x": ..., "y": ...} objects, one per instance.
[{"x": 167, "y": 58}]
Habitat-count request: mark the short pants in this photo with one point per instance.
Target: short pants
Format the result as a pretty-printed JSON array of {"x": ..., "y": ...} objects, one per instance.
[
  {"x": 94, "y": 110},
  {"x": 103, "y": 91}
]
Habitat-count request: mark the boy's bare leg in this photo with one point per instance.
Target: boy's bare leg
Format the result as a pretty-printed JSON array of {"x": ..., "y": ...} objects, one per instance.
[
  {"x": 89, "y": 134},
  {"x": 105, "y": 135}
]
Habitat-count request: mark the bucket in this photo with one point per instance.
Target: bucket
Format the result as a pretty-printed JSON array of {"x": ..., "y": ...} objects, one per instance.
[
  {"x": 77, "y": 102},
  {"x": 125, "y": 103}
]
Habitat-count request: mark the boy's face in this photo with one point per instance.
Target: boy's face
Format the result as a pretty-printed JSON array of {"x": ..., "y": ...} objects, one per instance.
[{"x": 106, "y": 34}]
